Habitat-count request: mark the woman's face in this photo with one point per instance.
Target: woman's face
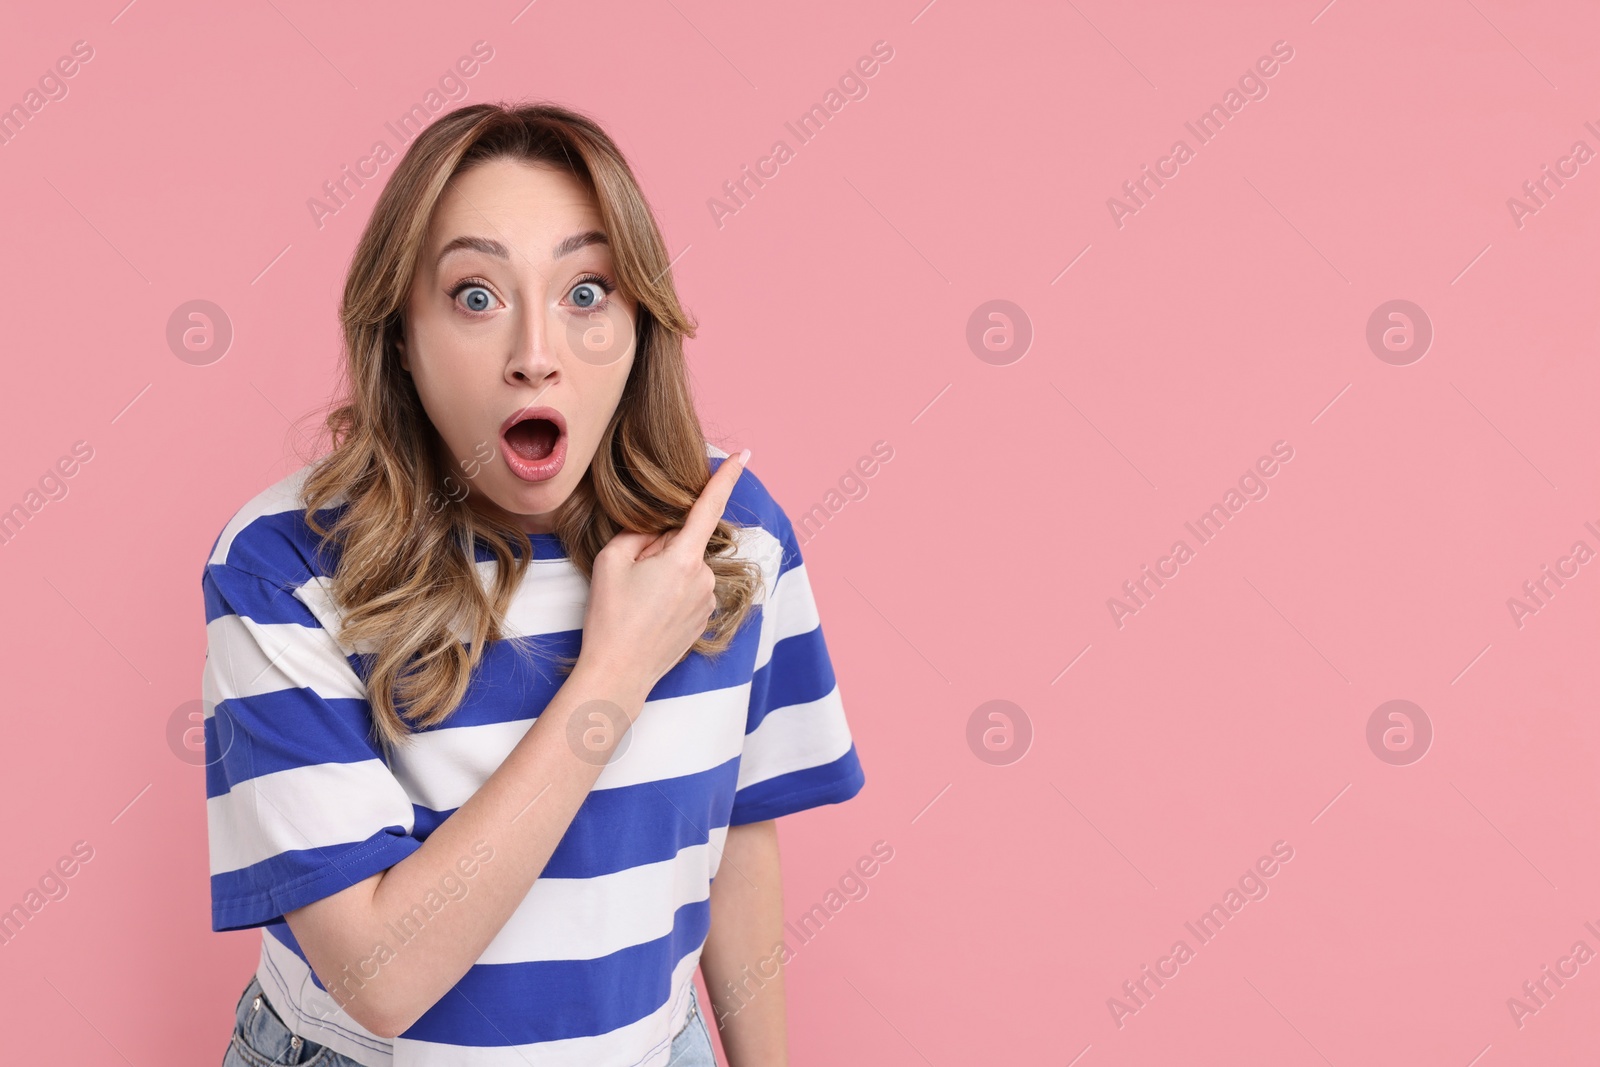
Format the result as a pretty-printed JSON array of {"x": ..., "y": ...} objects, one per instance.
[{"x": 514, "y": 315}]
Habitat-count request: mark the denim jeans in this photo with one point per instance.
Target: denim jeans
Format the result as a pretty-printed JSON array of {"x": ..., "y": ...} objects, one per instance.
[{"x": 260, "y": 1038}]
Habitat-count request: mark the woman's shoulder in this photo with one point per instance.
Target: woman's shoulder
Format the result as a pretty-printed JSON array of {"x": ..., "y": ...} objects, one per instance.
[{"x": 268, "y": 535}]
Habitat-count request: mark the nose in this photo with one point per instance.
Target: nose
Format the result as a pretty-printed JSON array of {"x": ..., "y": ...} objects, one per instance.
[{"x": 532, "y": 358}]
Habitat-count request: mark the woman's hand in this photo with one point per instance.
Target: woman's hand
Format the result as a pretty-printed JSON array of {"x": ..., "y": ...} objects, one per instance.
[{"x": 651, "y": 595}]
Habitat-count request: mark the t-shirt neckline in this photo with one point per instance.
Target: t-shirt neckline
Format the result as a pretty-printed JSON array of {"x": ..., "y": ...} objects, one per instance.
[{"x": 547, "y": 546}]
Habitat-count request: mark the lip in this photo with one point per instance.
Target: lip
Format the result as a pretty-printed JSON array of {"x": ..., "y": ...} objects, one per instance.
[{"x": 546, "y": 468}]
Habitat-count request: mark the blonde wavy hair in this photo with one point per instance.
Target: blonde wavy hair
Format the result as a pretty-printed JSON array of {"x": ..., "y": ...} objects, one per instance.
[{"x": 405, "y": 580}]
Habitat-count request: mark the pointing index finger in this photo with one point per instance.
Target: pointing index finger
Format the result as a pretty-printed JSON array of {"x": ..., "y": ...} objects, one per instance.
[{"x": 707, "y": 511}]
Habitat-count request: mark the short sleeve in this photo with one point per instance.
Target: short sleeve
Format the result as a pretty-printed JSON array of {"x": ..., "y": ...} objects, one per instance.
[
  {"x": 798, "y": 751},
  {"x": 300, "y": 803}
]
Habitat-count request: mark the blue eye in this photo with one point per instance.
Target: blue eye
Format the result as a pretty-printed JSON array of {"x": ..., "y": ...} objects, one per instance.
[
  {"x": 590, "y": 292},
  {"x": 478, "y": 295}
]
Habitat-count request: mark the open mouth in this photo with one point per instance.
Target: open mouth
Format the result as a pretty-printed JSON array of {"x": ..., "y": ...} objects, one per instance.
[
  {"x": 533, "y": 439},
  {"x": 533, "y": 442}
]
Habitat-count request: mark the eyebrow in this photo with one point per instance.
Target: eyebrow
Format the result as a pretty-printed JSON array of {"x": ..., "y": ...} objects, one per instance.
[{"x": 489, "y": 246}]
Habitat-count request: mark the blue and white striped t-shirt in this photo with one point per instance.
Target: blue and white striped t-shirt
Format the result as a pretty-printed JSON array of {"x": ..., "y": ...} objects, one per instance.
[{"x": 596, "y": 964}]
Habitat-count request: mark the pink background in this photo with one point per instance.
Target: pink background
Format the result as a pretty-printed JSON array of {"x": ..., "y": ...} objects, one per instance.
[{"x": 1229, "y": 313}]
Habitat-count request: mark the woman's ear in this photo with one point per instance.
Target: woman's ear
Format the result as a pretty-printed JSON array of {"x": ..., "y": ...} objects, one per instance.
[{"x": 397, "y": 338}]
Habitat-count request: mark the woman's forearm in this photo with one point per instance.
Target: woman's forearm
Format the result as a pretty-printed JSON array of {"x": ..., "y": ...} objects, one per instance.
[
  {"x": 743, "y": 955},
  {"x": 516, "y": 818}
]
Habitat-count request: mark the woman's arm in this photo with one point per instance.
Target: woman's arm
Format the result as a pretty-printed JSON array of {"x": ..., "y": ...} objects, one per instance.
[
  {"x": 520, "y": 812},
  {"x": 650, "y": 599},
  {"x": 743, "y": 956}
]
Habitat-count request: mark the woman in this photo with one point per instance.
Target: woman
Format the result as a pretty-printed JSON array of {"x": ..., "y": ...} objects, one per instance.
[{"x": 498, "y": 686}]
